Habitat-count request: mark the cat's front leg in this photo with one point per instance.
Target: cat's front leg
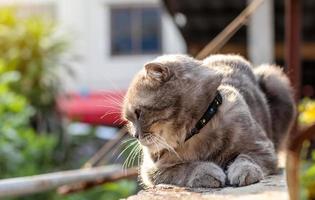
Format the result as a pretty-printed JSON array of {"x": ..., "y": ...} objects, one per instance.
[
  {"x": 208, "y": 175},
  {"x": 195, "y": 174},
  {"x": 244, "y": 171}
]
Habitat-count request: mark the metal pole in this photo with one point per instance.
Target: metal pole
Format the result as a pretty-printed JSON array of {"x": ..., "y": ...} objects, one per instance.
[
  {"x": 293, "y": 43},
  {"x": 21, "y": 186},
  {"x": 293, "y": 50},
  {"x": 293, "y": 63}
]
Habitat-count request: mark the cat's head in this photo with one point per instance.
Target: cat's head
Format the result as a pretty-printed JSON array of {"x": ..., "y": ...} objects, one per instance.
[{"x": 166, "y": 98}]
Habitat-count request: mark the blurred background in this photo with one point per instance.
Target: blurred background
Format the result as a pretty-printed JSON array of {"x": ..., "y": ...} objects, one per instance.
[{"x": 65, "y": 65}]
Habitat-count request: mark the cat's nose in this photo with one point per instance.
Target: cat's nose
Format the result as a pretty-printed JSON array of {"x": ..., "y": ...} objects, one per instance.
[
  {"x": 139, "y": 134},
  {"x": 136, "y": 135}
]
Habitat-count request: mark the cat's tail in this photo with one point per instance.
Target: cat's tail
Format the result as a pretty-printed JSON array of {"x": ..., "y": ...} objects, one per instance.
[{"x": 276, "y": 86}]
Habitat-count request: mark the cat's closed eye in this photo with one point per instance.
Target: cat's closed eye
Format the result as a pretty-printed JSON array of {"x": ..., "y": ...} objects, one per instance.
[{"x": 133, "y": 115}]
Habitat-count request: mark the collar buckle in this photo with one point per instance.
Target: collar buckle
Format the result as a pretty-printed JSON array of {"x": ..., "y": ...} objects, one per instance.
[{"x": 207, "y": 116}]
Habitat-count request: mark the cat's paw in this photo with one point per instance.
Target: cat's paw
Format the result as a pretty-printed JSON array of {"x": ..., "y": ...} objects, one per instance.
[
  {"x": 244, "y": 173},
  {"x": 207, "y": 175}
]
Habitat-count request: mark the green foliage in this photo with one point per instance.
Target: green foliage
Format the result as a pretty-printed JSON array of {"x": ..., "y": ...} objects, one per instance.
[
  {"x": 306, "y": 112},
  {"x": 307, "y": 172},
  {"x": 307, "y": 168},
  {"x": 22, "y": 151},
  {"x": 32, "y": 47},
  {"x": 31, "y": 54}
]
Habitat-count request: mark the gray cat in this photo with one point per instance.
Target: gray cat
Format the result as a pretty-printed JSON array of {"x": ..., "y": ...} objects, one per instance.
[{"x": 208, "y": 123}]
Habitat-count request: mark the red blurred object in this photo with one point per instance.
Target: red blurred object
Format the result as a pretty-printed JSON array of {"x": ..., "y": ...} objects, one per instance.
[{"x": 103, "y": 108}]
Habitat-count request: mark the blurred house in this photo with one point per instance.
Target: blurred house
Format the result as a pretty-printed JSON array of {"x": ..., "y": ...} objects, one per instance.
[
  {"x": 112, "y": 38},
  {"x": 116, "y": 37}
]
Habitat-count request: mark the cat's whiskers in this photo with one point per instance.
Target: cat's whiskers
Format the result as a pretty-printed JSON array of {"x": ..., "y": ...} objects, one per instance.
[
  {"x": 116, "y": 105},
  {"x": 117, "y": 120},
  {"x": 168, "y": 147},
  {"x": 125, "y": 149},
  {"x": 131, "y": 155},
  {"x": 156, "y": 144},
  {"x": 128, "y": 140},
  {"x": 135, "y": 154},
  {"x": 116, "y": 100},
  {"x": 164, "y": 146},
  {"x": 127, "y": 163},
  {"x": 135, "y": 151},
  {"x": 116, "y": 149},
  {"x": 110, "y": 113},
  {"x": 140, "y": 155},
  {"x": 121, "y": 122},
  {"x": 108, "y": 106}
]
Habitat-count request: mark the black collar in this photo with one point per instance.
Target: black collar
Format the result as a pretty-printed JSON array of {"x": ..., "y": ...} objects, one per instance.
[{"x": 207, "y": 116}]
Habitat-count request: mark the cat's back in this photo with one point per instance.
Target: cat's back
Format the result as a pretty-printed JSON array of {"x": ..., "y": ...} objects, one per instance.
[
  {"x": 231, "y": 66},
  {"x": 238, "y": 73}
]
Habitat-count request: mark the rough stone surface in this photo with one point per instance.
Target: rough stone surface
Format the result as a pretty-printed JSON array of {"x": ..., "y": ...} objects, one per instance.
[{"x": 272, "y": 187}]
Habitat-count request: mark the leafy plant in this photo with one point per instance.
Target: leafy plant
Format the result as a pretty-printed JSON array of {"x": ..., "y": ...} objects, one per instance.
[
  {"x": 307, "y": 172},
  {"x": 22, "y": 151},
  {"x": 306, "y": 112},
  {"x": 307, "y": 157},
  {"x": 32, "y": 47},
  {"x": 31, "y": 57}
]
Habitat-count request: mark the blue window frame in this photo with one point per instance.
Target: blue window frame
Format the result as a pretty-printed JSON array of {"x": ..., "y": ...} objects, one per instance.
[{"x": 135, "y": 31}]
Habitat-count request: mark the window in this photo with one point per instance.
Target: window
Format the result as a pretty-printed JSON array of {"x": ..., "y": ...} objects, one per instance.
[{"x": 135, "y": 31}]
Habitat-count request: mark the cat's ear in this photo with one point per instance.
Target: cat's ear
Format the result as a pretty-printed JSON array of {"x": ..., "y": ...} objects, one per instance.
[{"x": 157, "y": 71}]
